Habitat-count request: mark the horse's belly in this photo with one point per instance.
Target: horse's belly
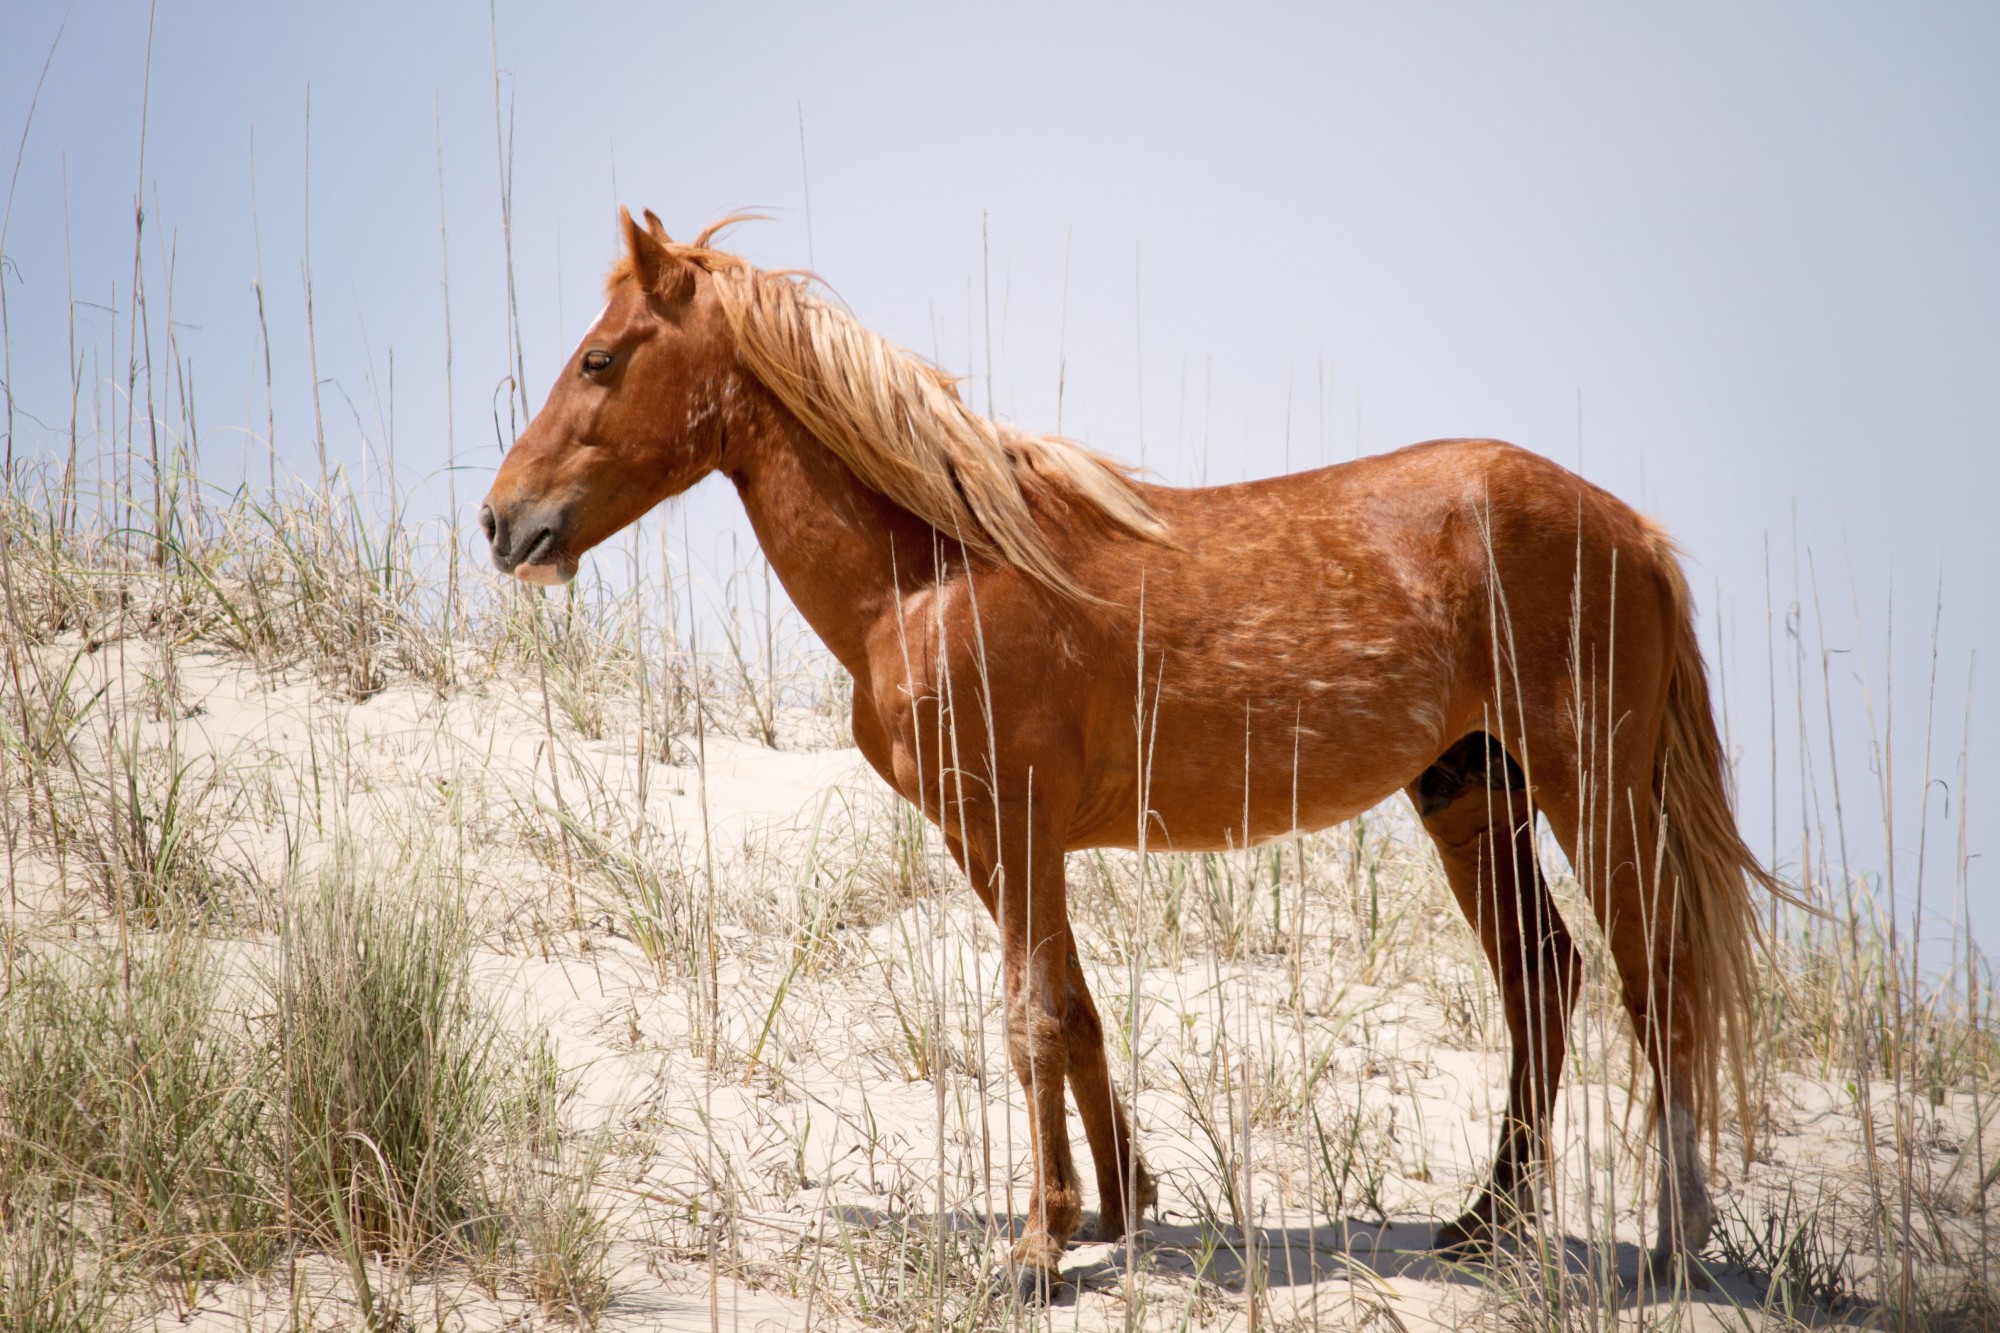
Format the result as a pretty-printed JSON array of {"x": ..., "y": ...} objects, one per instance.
[
  {"x": 1211, "y": 791},
  {"x": 1271, "y": 716}
]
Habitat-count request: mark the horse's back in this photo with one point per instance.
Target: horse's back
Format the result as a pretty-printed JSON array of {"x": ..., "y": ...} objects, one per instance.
[
  {"x": 1433, "y": 532},
  {"x": 1326, "y": 634}
]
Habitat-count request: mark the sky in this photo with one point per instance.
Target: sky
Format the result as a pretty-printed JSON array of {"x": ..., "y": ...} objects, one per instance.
[{"x": 1735, "y": 263}]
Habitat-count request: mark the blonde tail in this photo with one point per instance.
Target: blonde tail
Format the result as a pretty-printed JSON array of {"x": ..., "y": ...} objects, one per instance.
[{"x": 1708, "y": 869}]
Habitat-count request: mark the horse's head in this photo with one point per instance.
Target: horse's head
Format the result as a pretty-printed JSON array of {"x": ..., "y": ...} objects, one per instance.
[{"x": 633, "y": 417}]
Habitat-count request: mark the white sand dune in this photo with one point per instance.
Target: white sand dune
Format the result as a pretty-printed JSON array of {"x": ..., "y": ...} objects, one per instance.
[{"x": 825, "y": 1132}]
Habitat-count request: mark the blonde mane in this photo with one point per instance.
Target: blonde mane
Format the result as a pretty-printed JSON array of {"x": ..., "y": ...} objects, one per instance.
[{"x": 901, "y": 426}]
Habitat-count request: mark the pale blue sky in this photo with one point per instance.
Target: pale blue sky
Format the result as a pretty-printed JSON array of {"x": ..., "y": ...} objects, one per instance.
[{"x": 1756, "y": 244}]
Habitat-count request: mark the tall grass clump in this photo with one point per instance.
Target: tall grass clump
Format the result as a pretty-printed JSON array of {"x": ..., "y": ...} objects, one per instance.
[
  {"x": 154, "y": 850},
  {"x": 128, "y": 1097},
  {"x": 391, "y": 1067},
  {"x": 290, "y": 578},
  {"x": 312, "y": 579}
]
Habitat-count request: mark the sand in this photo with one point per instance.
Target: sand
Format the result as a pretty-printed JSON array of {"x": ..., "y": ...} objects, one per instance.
[{"x": 825, "y": 1132}]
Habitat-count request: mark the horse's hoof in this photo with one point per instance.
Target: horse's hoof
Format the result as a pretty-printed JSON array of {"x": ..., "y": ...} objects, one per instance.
[
  {"x": 1111, "y": 1224},
  {"x": 1032, "y": 1285},
  {"x": 1467, "y": 1237},
  {"x": 1669, "y": 1266},
  {"x": 1110, "y": 1229}
]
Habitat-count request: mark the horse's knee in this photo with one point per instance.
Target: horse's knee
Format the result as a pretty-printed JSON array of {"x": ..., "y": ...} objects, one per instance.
[{"x": 1037, "y": 1039}]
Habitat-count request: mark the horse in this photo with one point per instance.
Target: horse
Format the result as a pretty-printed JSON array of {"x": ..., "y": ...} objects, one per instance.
[{"x": 1050, "y": 654}]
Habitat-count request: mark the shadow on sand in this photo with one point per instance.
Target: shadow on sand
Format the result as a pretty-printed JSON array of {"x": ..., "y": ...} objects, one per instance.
[{"x": 1367, "y": 1252}]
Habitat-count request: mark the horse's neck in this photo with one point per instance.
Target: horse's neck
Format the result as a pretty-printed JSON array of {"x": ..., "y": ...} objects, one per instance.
[{"x": 845, "y": 554}]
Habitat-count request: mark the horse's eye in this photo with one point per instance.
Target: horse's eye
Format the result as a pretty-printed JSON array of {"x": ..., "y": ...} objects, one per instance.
[{"x": 595, "y": 360}]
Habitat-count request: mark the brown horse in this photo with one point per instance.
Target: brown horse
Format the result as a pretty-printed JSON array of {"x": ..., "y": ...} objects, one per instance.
[{"x": 1050, "y": 655}]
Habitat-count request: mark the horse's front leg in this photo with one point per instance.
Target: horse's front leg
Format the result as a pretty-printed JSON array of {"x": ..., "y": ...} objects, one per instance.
[
  {"x": 1016, "y": 864},
  {"x": 1125, "y": 1190}
]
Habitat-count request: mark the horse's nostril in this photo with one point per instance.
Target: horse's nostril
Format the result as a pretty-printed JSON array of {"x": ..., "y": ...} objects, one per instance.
[
  {"x": 487, "y": 524},
  {"x": 539, "y": 547}
]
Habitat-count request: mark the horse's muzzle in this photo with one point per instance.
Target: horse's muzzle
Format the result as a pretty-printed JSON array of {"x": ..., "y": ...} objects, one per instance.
[{"x": 527, "y": 541}]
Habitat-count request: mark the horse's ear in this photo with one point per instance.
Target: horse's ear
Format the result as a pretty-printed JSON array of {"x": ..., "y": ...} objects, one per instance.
[
  {"x": 659, "y": 272},
  {"x": 644, "y": 252},
  {"x": 657, "y": 228}
]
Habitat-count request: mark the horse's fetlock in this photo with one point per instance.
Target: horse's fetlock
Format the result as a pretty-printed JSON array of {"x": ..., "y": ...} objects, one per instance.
[{"x": 1062, "y": 1211}]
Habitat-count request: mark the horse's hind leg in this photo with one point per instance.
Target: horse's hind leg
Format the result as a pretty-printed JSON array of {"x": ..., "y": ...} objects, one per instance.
[
  {"x": 1474, "y": 804},
  {"x": 1125, "y": 1188},
  {"x": 1617, "y": 862}
]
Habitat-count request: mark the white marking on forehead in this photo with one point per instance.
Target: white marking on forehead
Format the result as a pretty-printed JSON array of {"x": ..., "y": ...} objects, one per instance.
[{"x": 594, "y": 321}]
